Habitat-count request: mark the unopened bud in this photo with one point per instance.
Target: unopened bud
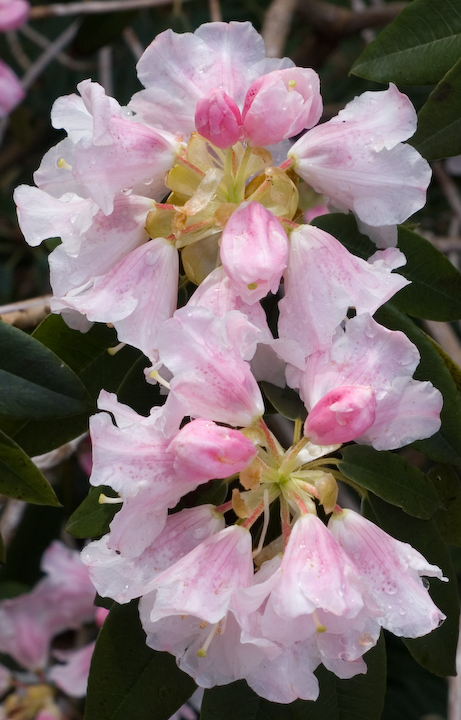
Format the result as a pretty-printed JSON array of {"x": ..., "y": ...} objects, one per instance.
[
  {"x": 342, "y": 415},
  {"x": 218, "y": 119}
]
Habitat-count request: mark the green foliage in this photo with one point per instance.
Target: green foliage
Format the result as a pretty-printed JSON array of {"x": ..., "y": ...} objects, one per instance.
[
  {"x": 92, "y": 518},
  {"x": 418, "y": 48},
  {"x": 439, "y": 122},
  {"x": 390, "y": 477},
  {"x": 34, "y": 382},
  {"x": 285, "y": 401},
  {"x": 447, "y": 518},
  {"x": 20, "y": 478},
  {"x": 128, "y": 680}
]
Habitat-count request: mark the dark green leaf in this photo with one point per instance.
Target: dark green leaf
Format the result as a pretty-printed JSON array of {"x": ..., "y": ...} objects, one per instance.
[
  {"x": 34, "y": 382},
  {"x": 445, "y": 445},
  {"x": 439, "y": 120},
  {"x": 390, "y": 477},
  {"x": 78, "y": 350},
  {"x": 436, "y": 651},
  {"x": 136, "y": 392},
  {"x": 360, "y": 698},
  {"x": 435, "y": 290},
  {"x": 418, "y": 48},
  {"x": 285, "y": 400},
  {"x": 92, "y": 519},
  {"x": 128, "y": 680},
  {"x": 448, "y": 516},
  {"x": 20, "y": 478},
  {"x": 236, "y": 701},
  {"x": 2, "y": 550},
  {"x": 452, "y": 367}
]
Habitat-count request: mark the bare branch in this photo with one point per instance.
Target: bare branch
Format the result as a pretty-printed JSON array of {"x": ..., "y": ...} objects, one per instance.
[
  {"x": 449, "y": 188},
  {"x": 49, "y": 55},
  {"x": 61, "y": 57},
  {"x": 92, "y": 7},
  {"x": 335, "y": 21},
  {"x": 215, "y": 11},
  {"x": 276, "y": 26}
]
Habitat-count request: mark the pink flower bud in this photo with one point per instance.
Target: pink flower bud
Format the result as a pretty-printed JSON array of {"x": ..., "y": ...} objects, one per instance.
[
  {"x": 204, "y": 450},
  {"x": 13, "y": 14},
  {"x": 280, "y": 105},
  {"x": 217, "y": 118},
  {"x": 343, "y": 414},
  {"x": 11, "y": 90},
  {"x": 254, "y": 251}
]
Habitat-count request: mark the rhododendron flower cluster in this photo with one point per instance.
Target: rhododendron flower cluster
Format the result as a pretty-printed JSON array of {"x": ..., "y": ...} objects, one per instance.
[{"x": 195, "y": 184}]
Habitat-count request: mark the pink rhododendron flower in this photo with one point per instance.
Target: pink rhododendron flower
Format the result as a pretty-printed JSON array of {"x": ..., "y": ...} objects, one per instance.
[
  {"x": 367, "y": 355},
  {"x": 322, "y": 280},
  {"x": 124, "y": 578},
  {"x": 254, "y": 251},
  {"x": 390, "y": 573},
  {"x": 207, "y": 358},
  {"x": 11, "y": 90},
  {"x": 72, "y": 675},
  {"x": 13, "y": 14},
  {"x": 358, "y": 161}
]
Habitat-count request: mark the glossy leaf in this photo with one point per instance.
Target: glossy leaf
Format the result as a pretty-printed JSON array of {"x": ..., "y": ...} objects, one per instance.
[
  {"x": 20, "y": 478},
  {"x": 92, "y": 519},
  {"x": 435, "y": 290},
  {"x": 78, "y": 350},
  {"x": 448, "y": 517},
  {"x": 445, "y": 445},
  {"x": 285, "y": 400},
  {"x": 128, "y": 680},
  {"x": 418, "y": 48},
  {"x": 436, "y": 651},
  {"x": 390, "y": 477},
  {"x": 439, "y": 120},
  {"x": 360, "y": 697},
  {"x": 34, "y": 382}
]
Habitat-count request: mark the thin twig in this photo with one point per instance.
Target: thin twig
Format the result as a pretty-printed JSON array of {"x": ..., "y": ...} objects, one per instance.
[
  {"x": 26, "y": 313},
  {"x": 49, "y": 55},
  {"x": 92, "y": 7},
  {"x": 105, "y": 69},
  {"x": 215, "y": 11},
  {"x": 276, "y": 26},
  {"x": 17, "y": 51},
  {"x": 133, "y": 42},
  {"x": 449, "y": 187},
  {"x": 61, "y": 57},
  {"x": 333, "y": 20},
  {"x": 446, "y": 337}
]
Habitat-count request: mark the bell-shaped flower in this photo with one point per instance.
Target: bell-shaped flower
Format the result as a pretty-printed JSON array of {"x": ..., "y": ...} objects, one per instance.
[
  {"x": 11, "y": 91},
  {"x": 202, "y": 582},
  {"x": 322, "y": 280},
  {"x": 207, "y": 356},
  {"x": 280, "y": 105},
  {"x": 358, "y": 161},
  {"x": 341, "y": 415},
  {"x": 137, "y": 295},
  {"x": 367, "y": 355},
  {"x": 13, "y": 14},
  {"x": 179, "y": 70},
  {"x": 254, "y": 251},
  {"x": 124, "y": 578},
  {"x": 218, "y": 119},
  {"x": 62, "y": 600},
  {"x": 391, "y": 575}
]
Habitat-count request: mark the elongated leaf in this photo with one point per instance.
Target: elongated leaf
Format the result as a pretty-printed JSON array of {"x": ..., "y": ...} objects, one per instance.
[
  {"x": 92, "y": 519},
  {"x": 448, "y": 517},
  {"x": 128, "y": 680},
  {"x": 439, "y": 120},
  {"x": 20, "y": 478},
  {"x": 418, "y": 48},
  {"x": 360, "y": 698},
  {"x": 435, "y": 290},
  {"x": 78, "y": 350},
  {"x": 34, "y": 382},
  {"x": 390, "y": 477},
  {"x": 445, "y": 445},
  {"x": 285, "y": 400},
  {"x": 436, "y": 651}
]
